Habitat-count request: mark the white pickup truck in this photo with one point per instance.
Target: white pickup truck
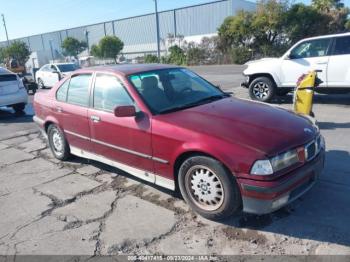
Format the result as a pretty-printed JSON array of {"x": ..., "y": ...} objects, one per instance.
[{"x": 268, "y": 77}]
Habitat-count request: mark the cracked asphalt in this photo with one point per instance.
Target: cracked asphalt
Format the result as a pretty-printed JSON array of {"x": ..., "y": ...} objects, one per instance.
[{"x": 82, "y": 207}]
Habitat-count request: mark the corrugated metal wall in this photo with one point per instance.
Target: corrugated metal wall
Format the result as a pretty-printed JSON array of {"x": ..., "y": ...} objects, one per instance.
[{"x": 139, "y": 33}]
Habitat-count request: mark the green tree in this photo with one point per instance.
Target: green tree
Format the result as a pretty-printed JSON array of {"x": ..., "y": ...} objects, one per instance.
[
  {"x": 17, "y": 50},
  {"x": 150, "y": 59},
  {"x": 327, "y": 5},
  {"x": 195, "y": 55},
  {"x": 2, "y": 55},
  {"x": 109, "y": 47},
  {"x": 347, "y": 25},
  {"x": 303, "y": 21},
  {"x": 177, "y": 55},
  {"x": 267, "y": 23},
  {"x": 95, "y": 51},
  {"x": 236, "y": 31},
  {"x": 72, "y": 46}
]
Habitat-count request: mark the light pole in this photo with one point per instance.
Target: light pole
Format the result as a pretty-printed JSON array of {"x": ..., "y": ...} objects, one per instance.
[
  {"x": 52, "y": 56},
  {"x": 87, "y": 41},
  {"x": 7, "y": 36},
  {"x": 157, "y": 22}
]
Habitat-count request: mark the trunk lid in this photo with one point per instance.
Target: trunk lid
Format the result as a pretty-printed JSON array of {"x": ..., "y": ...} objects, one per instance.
[{"x": 8, "y": 84}]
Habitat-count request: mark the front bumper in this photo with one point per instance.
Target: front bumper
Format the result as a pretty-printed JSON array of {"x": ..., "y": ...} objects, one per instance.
[
  {"x": 246, "y": 81},
  {"x": 272, "y": 195}
]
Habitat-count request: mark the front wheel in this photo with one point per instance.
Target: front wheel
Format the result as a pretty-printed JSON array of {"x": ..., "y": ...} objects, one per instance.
[
  {"x": 262, "y": 89},
  {"x": 58, "y": 143},
  {"x": 209, "y": 188}
]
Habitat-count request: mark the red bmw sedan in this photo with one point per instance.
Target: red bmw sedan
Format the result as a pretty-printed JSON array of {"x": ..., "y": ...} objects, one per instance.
[{"x": 168, "y": 126}]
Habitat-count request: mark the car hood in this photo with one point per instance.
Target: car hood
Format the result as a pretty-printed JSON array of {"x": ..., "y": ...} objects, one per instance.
[
  {"x": 261, "y": 127},
  {"x": 262, "y": 60}
]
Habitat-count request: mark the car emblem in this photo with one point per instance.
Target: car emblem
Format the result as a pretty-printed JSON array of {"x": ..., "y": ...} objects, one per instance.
[{"x": 307, "y": 130}]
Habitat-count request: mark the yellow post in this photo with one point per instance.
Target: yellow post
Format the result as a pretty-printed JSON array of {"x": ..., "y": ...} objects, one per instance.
[{"x": 303, "y": 97}]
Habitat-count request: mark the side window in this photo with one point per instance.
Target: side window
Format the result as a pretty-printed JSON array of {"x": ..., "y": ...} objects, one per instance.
[
  {"x": 342, "y": 46},
  {"x": 61, "y": 94},
  {"x": 53, "y": 68},
  {"x": 313, "y": 48},
  {"x": 44, "y": 68},
  {"x": 109, "y": 93},
  {"x": 78, "y": 91}
]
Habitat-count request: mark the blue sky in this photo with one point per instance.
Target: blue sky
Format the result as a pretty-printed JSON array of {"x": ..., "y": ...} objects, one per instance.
[{"x": 28, "y": 17}]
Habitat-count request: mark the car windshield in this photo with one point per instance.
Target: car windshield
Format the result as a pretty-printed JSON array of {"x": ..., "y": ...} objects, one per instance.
[
  {"x": 67, "y": 67},
  {"x": 175, "y": 89}
]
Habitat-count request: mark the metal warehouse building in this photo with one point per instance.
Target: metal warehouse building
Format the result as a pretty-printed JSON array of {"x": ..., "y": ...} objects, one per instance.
[{"x": 139, "y": 33}]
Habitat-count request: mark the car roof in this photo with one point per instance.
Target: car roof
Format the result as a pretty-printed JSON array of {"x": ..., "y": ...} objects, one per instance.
[
  {"x": 127, "y": 69},
  {"x": 327, "y": 36}
]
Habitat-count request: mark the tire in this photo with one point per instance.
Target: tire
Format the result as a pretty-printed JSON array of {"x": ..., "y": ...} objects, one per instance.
[
  {"x": 58, "y": 143},
  {"x": 198, "y": 177},
  {"x": 19, "y": 108},
  {"x": 262, "y": 89},
  {"x": 41, "y": 84}
]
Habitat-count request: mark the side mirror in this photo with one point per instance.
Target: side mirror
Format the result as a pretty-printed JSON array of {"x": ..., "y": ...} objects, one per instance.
[{"x": 125, "y": 111}]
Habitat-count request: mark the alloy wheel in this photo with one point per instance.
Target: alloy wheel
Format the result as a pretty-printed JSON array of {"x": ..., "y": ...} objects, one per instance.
[
  {"x": 261, "y": 90},
  {"x": 204, "y": 188},
  {"x": 57, "y": 142}
]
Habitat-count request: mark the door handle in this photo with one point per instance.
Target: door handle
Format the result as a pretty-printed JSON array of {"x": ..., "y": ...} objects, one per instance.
[
  {"x": 321, "y": 62},
  {"x": 59, "y": 109},
  {"x": 95, "y": 119}
]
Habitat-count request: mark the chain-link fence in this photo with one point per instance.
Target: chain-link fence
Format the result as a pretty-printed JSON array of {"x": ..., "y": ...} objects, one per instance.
[{"x": 139, "y": 33}]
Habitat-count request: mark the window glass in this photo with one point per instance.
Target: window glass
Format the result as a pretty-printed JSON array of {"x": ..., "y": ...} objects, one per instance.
[
  {"x": 45, "y": 68},
  {"x": 110, "y": 93},
  {"x": 342, "y": 46},
  {"x": 174, "y": 89},
  {"x": 78, "y": 92},
  {"x": 67, "y": 67},
  {"x": 313, "y": 48},
  {"x": 61, "y": 94}
]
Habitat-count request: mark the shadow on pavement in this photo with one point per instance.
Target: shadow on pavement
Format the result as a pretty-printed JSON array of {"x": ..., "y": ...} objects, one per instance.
[
  {"x": 9, "y": 116},
  {"x": 333, "y": 99},
  {"x": 332, "y": 125}
]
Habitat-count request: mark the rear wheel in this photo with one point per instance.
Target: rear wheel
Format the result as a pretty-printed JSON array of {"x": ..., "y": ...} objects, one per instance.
[
  {"x": 58, "y": 143},
  {"x": 209, "y": 188},
  {"x": 19, "y": 108},
  {"x": 262, "y": 89}
]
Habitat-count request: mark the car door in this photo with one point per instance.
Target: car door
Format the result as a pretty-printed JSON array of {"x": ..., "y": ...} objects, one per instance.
[
  {"x": 338, "y": 73},
  {"x": 125, "y": 140},
  {"x": 52, "y": 76},
  {"x": 73, "y": 112},
  {"x": 308, "y": 55},
  {"x": 42, "y": 73}
]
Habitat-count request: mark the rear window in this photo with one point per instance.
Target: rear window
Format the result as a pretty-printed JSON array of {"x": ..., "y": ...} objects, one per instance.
[{"x": 10, "y": 77}]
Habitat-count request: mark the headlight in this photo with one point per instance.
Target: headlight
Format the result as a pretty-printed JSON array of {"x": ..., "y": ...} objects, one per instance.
[
  {"x": 262, "y": 167},
  {"x": 268, "y": 167},
  {"x": 284, "y": 160}
]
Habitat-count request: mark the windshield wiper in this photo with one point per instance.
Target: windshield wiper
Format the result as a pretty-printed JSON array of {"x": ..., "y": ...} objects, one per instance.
[{"x": 196, "y": 103}]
